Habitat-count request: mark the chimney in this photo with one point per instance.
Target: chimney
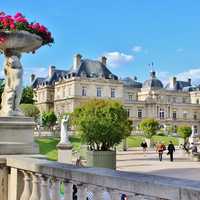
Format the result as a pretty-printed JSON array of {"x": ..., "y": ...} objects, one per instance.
[
  {"x": 190, "y": 81},
  {"x": 103, "y": 60},
  {"x": 173, "y": 82},
  {"x": 135, "y": 78},
  {"x": 77, "y": 61},
  {"x": 51, "y": 71},
  {"x": 32, "y": 77}
]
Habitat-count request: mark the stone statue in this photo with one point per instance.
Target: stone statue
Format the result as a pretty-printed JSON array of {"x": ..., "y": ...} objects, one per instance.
[
  {"x": 64, "y": 137},
  {"x": 13, "y": 85}
]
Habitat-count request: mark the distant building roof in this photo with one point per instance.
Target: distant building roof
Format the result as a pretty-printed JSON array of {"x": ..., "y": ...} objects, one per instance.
[
  {"x": 49, "y": 80},
  {"x": 179, "y": 85},
  {"x": 93, "y": 68},
  {"x": 86, "y": 68},
  {"x": 130, "y": 82}
]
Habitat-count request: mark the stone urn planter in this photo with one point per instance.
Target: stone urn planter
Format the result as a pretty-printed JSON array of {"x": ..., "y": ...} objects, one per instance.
[
  {"x": 12, "y": 44},
  {"x": 105, "y": 159}
]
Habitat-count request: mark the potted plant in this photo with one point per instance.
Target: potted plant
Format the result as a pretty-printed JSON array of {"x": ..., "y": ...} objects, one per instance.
[
  {"x": 149, "y": 127},
  {"x": 102, "y": 124}
]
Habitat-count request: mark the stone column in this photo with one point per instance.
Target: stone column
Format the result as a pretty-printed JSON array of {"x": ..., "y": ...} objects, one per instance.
[
  {"x": 3, "y": 182},
  {"x": 36, "y": 188},
  {"x": 68, "y": 190},
  {"x": 27, "y": 188}
]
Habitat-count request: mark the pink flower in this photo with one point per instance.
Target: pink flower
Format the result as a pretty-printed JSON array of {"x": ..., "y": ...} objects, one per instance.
[
  {"x": 12, "y": 26},
  {"x": 18, "y": 14}
]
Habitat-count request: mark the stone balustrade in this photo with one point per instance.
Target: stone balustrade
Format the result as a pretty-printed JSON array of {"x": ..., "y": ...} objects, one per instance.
[{"x": 38, "y": 179}]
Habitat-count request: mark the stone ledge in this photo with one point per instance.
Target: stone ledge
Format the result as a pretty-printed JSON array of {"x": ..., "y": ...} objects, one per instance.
[{"x": 142, "y": 184}]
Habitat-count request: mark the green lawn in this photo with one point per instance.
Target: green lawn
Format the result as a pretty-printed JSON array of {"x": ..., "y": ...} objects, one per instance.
[{"x": 48, "y": 145}]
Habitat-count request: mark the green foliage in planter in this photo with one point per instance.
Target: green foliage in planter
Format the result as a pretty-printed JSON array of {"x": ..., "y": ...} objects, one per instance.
[
  {"x": 30, "y": 110},
  {"x": 49, "y": 119},
  {"x": 184, "y": 131},
  {"x": 102, "y": 124},
  {"x": 149, "y": 126}
]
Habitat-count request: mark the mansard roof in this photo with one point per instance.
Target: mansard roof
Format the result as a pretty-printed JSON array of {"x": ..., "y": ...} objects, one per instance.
[
  {"x": 49, "y": 80},
  {"x": 179, "y": 85},
  {"x": 93, "y": 68},
  {"x": 130, "y": 82}
]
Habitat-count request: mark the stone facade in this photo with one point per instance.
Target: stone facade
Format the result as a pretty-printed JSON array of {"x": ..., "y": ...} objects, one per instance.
[{"x": 174, "y": 104}]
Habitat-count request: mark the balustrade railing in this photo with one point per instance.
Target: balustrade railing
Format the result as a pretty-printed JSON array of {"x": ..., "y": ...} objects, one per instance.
[{"x": 37, "y": 179}]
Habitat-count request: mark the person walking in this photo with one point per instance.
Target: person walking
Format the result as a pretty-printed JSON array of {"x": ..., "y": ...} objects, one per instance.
[
  {"x": 160, "y": 147},
  {"x": 144, "y": 146},
  {"x": 171, "y": 150}
]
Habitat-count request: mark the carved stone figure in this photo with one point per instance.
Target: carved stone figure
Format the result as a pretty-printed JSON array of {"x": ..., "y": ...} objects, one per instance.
[
  {"x": 13, "y": 85},
  {"x": 64, "y": 136}
]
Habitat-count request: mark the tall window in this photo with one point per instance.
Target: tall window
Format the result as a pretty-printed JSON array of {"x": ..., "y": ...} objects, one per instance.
[
  {"x": 197, "y": 101},
  {"x": 99, "y": 92},
  {"x": 174, "y": 99},
  {"x": 184, "y": 115},
  {"x": 69, "y": 91},
  {"x": 195, "y": 129},
  {"x": 112, "y": 93},
  {"x": 162, "y": 113},
  {"x": 174, "y": 114},
  {"x": 84, "y": 91},
  {"x": 195, "y": 116},
  {"x": 130, "y": 97},
  {"x": 140, "y": 113},
  {"x": 184, "y": 100}
]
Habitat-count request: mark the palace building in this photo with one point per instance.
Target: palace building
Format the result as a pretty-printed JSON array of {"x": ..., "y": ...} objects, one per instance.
[{"x": 172, "y": 105}]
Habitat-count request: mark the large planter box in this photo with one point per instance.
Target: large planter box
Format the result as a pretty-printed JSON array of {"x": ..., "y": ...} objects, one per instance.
[{"x": 105, "y": 159}]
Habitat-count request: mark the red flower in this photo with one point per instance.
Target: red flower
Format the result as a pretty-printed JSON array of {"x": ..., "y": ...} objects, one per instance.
[{"x": 18, "y": 14}]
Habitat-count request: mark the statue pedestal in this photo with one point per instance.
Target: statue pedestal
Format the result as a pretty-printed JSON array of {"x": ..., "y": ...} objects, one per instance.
[
  {"x": 64, "y": 153},
  {"x": 16, "y": 136}
]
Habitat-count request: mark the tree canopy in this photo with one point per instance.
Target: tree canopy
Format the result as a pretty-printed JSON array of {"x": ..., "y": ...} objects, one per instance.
[
  {"x": 184, "y": 131},
  {"x": 102, "y": 124},
  {"x": 49, "y": 119},
  {"x": 30, "y": 110},
  {"x": 149, "y": 127},
  {"x": 27, "y": 96}
]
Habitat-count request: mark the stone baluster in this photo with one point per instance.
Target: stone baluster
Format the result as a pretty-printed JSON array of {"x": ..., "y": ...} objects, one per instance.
[
  {"x": 27, "y": 187},
  {"x": 115, "y": 195},
  {"x": 68, "y": 190},
  {"x": 45, "y": 193},
  {"x": 98, "y": 193},
  {"x": 82, "y": 192},
  {"x": 35, "y": 187},
  {"x": 55, "y": 189}
]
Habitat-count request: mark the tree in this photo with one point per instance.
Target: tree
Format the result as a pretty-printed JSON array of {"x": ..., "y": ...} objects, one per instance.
[
  {"x": 102, "y": 124},
  {"x": 49, "y": 119},
  {"x": 27, "y": 96},
  {"x": 149, "y": 126},
  {"x": 184, "y": 131},
  {"x": 30, "y": 110}
]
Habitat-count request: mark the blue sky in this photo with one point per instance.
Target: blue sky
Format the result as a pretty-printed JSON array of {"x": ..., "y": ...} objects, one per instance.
[{"x": 132, "y": 33}]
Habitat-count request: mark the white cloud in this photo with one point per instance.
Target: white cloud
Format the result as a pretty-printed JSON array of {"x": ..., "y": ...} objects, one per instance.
[
  {"x": 115, "y": 59},
  {"x": 137, "y": 49},
  {"x": 179, "y": 50},
  {"x": 164, "y": 76}
]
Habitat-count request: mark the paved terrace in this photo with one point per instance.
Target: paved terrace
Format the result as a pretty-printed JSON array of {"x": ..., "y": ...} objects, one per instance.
[{"x": 134, "y": 161}]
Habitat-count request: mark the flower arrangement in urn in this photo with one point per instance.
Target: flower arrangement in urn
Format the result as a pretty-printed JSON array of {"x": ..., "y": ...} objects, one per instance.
[
  {"x": 18, "y": 22},
  {"x": 18, "y": 36}
]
